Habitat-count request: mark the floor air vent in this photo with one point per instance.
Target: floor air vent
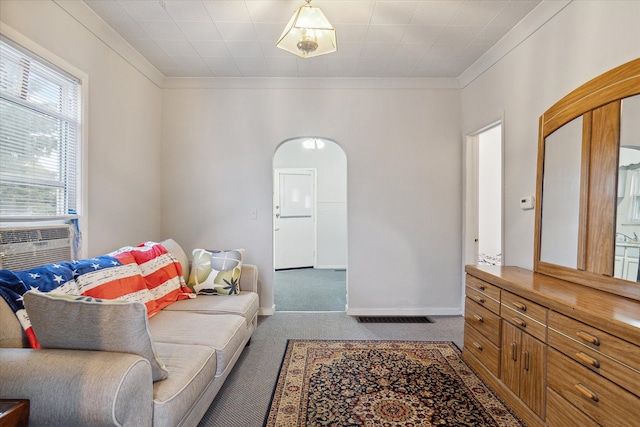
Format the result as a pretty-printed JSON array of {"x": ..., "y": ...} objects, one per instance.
[{"x": 394, "y": 319}]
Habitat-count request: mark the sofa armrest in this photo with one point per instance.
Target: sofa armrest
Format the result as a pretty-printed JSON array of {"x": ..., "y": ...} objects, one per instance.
[
  {"x": 249, "y": 278},
  {"x": 76, "y": 387}
]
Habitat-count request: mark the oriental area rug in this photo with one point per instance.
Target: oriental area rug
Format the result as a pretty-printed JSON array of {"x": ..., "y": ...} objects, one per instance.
[{"x": 381, "y": 383}]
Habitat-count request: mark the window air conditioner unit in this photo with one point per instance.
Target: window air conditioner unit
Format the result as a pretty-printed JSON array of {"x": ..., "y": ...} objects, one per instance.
[{"x": 22, "y": 248}]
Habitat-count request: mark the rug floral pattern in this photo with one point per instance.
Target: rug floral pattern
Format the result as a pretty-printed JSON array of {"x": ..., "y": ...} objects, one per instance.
[{"x": 381, "y": 383}]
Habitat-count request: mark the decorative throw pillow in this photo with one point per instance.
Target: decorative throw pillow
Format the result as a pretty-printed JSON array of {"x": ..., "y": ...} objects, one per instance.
[
  {"x": 216, "y": 272},
  {"x": 85, "y": 323}
]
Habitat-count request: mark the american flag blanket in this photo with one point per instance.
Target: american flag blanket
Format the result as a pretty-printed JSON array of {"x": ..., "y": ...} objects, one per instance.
[{"x": 147, "y": 273}]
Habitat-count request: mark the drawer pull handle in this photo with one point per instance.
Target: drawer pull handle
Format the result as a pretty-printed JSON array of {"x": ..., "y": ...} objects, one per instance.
[
  {"x": 518, "y": 321},
  {"x": 478, "y": 318},
  {"x": 586, "y": 336},
  {"x": 477, "y": 345},
  {"x": 514, "y": 351},
  {"x": 479, "y": 300},
  {"x": 527, "y": 359},
  {"x": 520, "y": 306},
  {"x": 585, "y": 358},
  {"x": 481, "y": 287},
  {"x": 586, "y": 392}
]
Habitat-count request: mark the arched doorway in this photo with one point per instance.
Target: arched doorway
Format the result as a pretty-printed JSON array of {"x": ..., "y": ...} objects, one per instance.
[{"x": 310, "y": 225}]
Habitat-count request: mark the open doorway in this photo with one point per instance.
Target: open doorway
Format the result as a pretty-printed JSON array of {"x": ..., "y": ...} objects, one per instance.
[
  {"x": 310, "y": 225},
  {"x": 484, "y": 197}
]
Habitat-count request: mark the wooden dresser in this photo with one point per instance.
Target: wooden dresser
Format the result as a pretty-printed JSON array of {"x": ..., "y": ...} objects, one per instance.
[{"x": 560, "y": 354}]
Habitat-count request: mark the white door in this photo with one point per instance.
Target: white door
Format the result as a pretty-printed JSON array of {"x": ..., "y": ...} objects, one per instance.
[
  {"x": 294, "y": 218},
  {"x": 489, "y": 248}
]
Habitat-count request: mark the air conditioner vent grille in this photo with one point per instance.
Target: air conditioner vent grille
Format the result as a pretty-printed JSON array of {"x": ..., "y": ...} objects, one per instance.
[
  {"x": 54, "y": 233},
  {"x": 28, "y": 247},
  {"x": 27, "y": 260},
  {"x": 8, "y": 237},
  {"x": 27, "y": 235}
]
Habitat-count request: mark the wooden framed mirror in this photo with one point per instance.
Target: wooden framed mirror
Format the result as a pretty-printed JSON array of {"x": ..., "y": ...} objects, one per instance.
[{"x": 588, "y": 185}]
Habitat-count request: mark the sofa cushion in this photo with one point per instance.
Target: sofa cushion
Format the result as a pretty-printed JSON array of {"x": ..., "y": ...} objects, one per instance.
[
  {"x": 225, "y": 333},
  {"x": 192, "y": 368},
  {"x": 216, "y": 272},
  {"x": 84, "y": 323},
  {"x": 244, "y": 304}
]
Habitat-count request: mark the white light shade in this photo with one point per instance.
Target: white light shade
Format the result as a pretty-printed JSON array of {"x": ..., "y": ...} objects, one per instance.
[
  {"x": 308, "y": 33},
  {"x": 313, "y": 144}
]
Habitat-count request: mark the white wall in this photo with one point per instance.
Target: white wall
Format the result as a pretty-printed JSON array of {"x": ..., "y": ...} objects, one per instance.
[
  {"x": 582, "y": 41},
  {"x": 404, "y": 182},
  {"x": 330, "y": 164},
  {"x": 124, "y": 111},
  {"x": 403, "y": 145}
]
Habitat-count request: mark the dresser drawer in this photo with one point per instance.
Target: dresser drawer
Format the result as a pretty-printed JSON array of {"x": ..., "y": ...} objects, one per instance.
[
  {"x": 599, "y": 398},
  {"x": 483, "y": 299},
  {"x": 596, "y": 361},
  {"x": 525, "y": 307},
  {"x": 597, "y": 340},
  {"x": 524, "y": 323},
  {"x": 485, "y": 287},
  {"x": 485, "y": 321},
  {"x": 561, "y": 413},
  {"x": 524, "y": 314},
  {"x": 483, "y": 349}
]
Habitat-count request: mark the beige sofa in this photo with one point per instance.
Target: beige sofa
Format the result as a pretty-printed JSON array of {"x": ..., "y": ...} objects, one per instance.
[{"x": 199, "y": 340}]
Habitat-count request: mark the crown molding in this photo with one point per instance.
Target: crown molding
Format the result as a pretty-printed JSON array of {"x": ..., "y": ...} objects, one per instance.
[
  {"x": 531, "y": 23},
  {"x": 307, "y": 83},
  {"x": 86, "y": 17}
]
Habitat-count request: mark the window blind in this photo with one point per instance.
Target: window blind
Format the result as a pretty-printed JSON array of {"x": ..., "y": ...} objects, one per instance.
[{"x": 39, "y": 136}]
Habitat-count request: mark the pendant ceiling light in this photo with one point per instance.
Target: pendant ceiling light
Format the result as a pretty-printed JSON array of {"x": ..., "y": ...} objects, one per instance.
[{"x": 309, "y": 33}]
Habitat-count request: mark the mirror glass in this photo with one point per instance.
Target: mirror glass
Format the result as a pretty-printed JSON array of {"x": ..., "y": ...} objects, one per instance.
[
  {"x": 561, "y": 195},
  {"x": 627, "y": 251}
]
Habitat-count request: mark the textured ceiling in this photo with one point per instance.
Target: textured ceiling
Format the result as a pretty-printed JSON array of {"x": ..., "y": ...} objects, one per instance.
[{"x": 236, "y": 38}]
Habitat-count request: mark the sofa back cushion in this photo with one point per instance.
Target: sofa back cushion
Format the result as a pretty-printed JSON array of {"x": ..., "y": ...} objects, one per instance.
[
  {"x": 84, "y": 323},
  {"x": 147, "y": 273},
  {"x": 12, "y": 334},
  {"x": 176, "y": 250},
  {"x": 57, "y": 277}
]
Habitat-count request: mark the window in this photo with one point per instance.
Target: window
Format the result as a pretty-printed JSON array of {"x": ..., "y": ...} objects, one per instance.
[{"x": 39, "y": 137}]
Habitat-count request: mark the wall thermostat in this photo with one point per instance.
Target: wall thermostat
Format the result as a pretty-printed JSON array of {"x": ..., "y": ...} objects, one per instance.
[{"x": 526, "y": 203}]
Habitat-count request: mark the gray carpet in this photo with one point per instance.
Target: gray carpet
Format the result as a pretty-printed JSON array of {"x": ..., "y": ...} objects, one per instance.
[
  {"x": 244, "y": 399},
  {"x": 310, "y": 289}
]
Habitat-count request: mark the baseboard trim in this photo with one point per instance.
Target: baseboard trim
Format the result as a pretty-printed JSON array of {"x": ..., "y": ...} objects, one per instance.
[
  {"x": 267, "y": 311},
  {"x": 331, "y": 267}
]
